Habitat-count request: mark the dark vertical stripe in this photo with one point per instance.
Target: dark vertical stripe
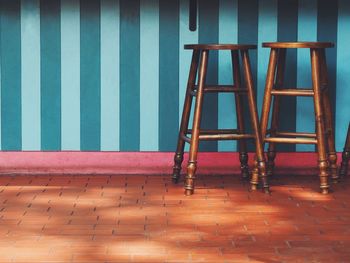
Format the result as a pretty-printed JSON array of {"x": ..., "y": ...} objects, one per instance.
[
  {"x": 288, "y": 31},
  {"x": 10, "y": 48},
  {"x": 50, "y": 41},
  {"x": 130, "y": 75},
  {"x": 90, "y": 76},
  {"x": 327, "y": 29},
  {"x": 209, "y": 33},
  {"x": 248, "y": 12},
  {"x": 168, "y": 74}
]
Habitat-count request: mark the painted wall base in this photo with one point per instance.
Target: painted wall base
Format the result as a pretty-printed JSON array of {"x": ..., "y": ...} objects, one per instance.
[{"x": 148, "y": 163}]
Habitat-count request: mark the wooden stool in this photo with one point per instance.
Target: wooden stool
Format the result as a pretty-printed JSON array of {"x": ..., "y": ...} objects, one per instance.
[
  {"x": 345, "y": 156},
  {"x": 202, "y": 52},
  {"x": 324, "y": 136}
]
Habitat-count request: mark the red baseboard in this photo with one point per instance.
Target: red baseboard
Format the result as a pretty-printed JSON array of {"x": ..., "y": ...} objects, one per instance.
[{"x": 149, "y": 163}]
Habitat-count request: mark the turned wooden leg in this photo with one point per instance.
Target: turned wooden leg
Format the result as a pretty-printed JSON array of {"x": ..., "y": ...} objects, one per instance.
[
  {"x": 345, "y": 156},
  {"x": 328, "y": 118},
  {"x": 192, "y": 161},
  {"x": 320, "y": 131},
  {"x": 255, "y": 123},
  {"x": 270, "y": 80},
  {"x": 178, "y": 158},
  {"x": 254, "y": 181},
  {"x": 271, "y": 153},
  {"x": 242, "y": 145}
]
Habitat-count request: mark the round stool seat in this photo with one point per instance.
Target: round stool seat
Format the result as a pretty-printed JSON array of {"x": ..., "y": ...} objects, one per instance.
[
  {"x": 219, "y": 47},
  {"x": 298, "y": 44}
]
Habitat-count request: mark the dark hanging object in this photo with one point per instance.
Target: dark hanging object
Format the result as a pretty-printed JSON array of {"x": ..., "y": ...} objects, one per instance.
[{"x": 193, "y": 15}]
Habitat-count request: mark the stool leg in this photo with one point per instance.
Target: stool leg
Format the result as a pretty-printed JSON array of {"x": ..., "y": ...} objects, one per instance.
[
  {"x": 242, "y": 145},
  {"x": 178, "y": 158},
  {"x": 271, "y": 153},
  {"x": 255, "y": 122},
  {"x": 270, "y": 80},
  {"x": 320, "y": 131},
  {"x": 192, "y": 161},
  {"x": 332, "y": 154},
  {"x": 345, "y": 156}
]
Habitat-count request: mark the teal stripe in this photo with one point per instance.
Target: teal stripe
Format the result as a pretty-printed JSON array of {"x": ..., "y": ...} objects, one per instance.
[
  {"x": 209, "y": 33},
  {"x": 110, "y": 75},
  {"x": 288, "y": 31},
  {"x": 30, "y": 45},
  {"x": 50, "y": 46},
  {"x": 10, "y": 50},
  {"x": 267, "y": 32},
  {"x": 168, "y": 74},
  {"x": 149, "y": 75},
  {"x": 327, "y": 29},
  {"x": 228, "y": 33},
  {"x": 130, "y": 75},
  {"x": 90, "y": 76},
  {"x": 248, "y": 34},
  {"x": 307, "y": 31},
  {"x": 343, "y": 74},
  {"x": 186, "y": 37},
  {"x": 70, "y": 72},
  {"x": 0, "y": 89}
]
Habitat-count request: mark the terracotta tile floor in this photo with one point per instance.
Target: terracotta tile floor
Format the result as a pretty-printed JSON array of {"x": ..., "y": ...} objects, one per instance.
[{"x": 148, "y": 219}]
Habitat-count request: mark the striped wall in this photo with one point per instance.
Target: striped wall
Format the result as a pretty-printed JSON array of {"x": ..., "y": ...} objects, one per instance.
[{"x": 109, "y": 75}]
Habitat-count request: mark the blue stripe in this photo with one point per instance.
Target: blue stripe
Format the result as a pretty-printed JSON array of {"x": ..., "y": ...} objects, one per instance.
[
  {"x": 228, "y": 33},
  {"x": 267, "y": 32},
  {"x": 110, "y": 75},
  {"x": 186, "y": 37},
  {"x": 343, "y": 74},
  {"x": 248, "y": 34},
  {"x": 168, "y": 74},
  {"x": 209, "y": 33},
  {"x": 149, "y": 75},
  {"x": 327, "y": 31},
  {"x": 307, "y": 31},
  {"x": 10, "y": 50},
  {"x": 288, "y": 31},
  {"x": 50, "y": 45},
  {"x": 30, "y": 33},
  {"x": 90, "y": 76},
  {"x": 130, "y": 75},
  {"x": 70, "y": 60},
  {"x": 0, "y": 93}
]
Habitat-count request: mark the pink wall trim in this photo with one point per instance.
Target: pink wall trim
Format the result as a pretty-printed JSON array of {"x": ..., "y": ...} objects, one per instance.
[{"x": 148, "y": 163}]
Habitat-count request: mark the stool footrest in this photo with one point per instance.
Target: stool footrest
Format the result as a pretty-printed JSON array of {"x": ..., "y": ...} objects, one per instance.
[
  {"x": 220, "y": 88},
  {"x": 221, "y": 131},
  {"x": 293, "y": 92},
  {"x": 293, "y": 134},
  {"x": 219, "y": 136},
  {"x": 291, "y": 140},
  {"x": 223, "y": 137}
]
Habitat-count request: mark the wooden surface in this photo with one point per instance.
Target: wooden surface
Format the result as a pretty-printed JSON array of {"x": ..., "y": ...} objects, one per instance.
[
  {"x": 219, "y": 46},
  {"x": 298, "y": 44}
]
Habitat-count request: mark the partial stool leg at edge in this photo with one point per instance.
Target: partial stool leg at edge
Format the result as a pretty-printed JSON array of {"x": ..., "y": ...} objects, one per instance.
[{"x": 345, "y": 156}]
